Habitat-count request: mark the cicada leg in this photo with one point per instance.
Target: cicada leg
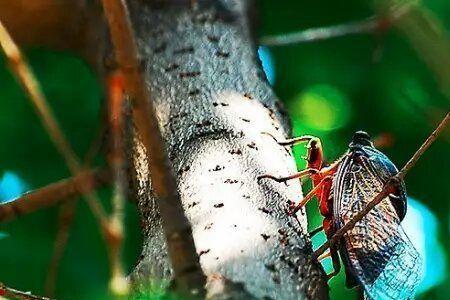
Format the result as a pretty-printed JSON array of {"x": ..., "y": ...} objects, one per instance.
[
  {"x": 336, "y": 263},
  {"x": 311, "y": 194},
  {"x": 293, "y": 141},
  {"x": 305, "y": 173},
  {"x": 315, "y": 231},
  {"x": 333, "y": 253}
]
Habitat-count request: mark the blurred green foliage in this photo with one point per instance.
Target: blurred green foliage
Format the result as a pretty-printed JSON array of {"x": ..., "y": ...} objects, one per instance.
[{"x": 331, "y": 88}]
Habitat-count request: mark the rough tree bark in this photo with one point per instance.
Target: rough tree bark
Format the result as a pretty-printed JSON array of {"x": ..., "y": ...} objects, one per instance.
[{"x": 213, "y": 102}]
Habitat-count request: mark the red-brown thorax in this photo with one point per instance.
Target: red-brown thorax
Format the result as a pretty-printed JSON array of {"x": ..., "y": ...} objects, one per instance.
[{"x": 315, "y": 161}]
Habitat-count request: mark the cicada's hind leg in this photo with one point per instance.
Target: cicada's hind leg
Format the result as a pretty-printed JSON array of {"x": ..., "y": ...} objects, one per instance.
[
  {"x": 336, "y": 263},
  {"x": 333, "y": 253},
  {"x": 315, "y": 231}
]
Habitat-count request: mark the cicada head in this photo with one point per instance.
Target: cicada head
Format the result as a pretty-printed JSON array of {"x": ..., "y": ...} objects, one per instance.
[
  {"x": 314, "y": 155},
  {"x": 361, "y": 139},
  {"x": 376, "y": 167}
]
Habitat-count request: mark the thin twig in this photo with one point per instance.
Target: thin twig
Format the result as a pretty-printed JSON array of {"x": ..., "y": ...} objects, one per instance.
[
  {"x": 53, "y": 194},
  {"x": 6, "y": 291},
  {"x": 65, "y": 219},
  {"x": 116, "y": 158},
  {"x": 370, "y": 25},
  {"x": 386, "y": 190},
  {"x": 188, "y": 274},
  {"x": 29, "y": 82},
  {"x": 66, "y": 214}
]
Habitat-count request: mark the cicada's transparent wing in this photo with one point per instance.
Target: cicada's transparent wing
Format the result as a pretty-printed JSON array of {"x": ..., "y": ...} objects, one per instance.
[{"x": 376, "y": 250}]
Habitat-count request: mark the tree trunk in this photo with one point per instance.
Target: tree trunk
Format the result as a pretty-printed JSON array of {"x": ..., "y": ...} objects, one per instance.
[{"x": 214, "y": 104}]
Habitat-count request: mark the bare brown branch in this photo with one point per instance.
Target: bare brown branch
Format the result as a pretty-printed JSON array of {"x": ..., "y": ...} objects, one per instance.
[
  {"x": 26, "y": 77},
  {"x": 386, "y": 190},
  {"x": 53, "y": 194},
  {"x": 16, "y": 294},
  {"x": 189, "y": 277},
  {"x": 374, "y": 24},
  {"x": 65, "y": 219},
  {"x": 116, "y": 158}
]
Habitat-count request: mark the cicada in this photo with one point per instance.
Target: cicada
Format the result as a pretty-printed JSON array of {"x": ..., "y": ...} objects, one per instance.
[{"x": 376, "y": 253}]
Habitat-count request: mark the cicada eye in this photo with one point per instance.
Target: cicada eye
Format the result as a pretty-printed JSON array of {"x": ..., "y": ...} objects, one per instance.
[{"x": 361, "y": 138}]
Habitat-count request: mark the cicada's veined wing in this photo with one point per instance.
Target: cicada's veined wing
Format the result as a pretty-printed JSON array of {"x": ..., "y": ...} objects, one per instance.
[{"x": 376, "y": 250}]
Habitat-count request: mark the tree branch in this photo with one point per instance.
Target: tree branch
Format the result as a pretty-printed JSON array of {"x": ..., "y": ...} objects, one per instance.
[
  {"x": 386, "y": 190},
  {"x": 26, "y": 77},
  {"x": 53, "y": 194},
  {"x": 374, "y": 24},
  {"x": 188, "y": 275},
  {"x": 16, "y": 294}
]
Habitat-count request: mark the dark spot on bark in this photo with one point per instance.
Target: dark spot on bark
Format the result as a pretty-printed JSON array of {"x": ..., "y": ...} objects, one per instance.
[
  {"x": 160, "y": 48},
  {"x": 172, "y": 67},
  {"x": 194, "y": 92},
  {"x": 282, "y": 257},
  {"x": 182, "y": 170},
  {"x": 184, "y": 50},
  {"x": 246, "y": 196},
  {"x": 282, "y": 232},
  {"x": 218, "y": 168},
  {"x": 215, "y": 104},
  {"x": 252, "y": 145},
  {"x": 265, "y": 210},
  {"x": 222, "y": 54},
  {"x": 204, "y": 123},
  {"x": 231, "y": 181},
  {"x": 192, "y": 204},
  {"x": 218, "y": 205},
  {"x": 276, "y": 279},
  {"x": 248, "y": 96},
  {"x": 291, "y": 264},
  {"x": 284, "y": 241},
  {"x": 265, "y": 236},
  {"x": 242, "y": 251},
  {"x": 245, "y": 120},
  {"x": 267, "y": 298},
  {"x": 235, "y": 151},
  {"x": 217, "y": 258},
  {"x": 202, "y": 252},
  {"x": 234, "y": 225},
  {"x": 189, "y": 74},
  {"x": 208, "y": 226},
  {"x": 213, "y": 38},
  {"x": 270, "y": 267}
]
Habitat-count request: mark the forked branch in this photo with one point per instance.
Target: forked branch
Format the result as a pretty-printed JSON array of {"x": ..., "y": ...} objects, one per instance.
[
  {"x": 29, "y": 82},
  {"x": 386, "y": 190}
]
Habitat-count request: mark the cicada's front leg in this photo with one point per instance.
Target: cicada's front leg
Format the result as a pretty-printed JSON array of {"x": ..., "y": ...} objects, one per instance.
[{"x": 302, "y": 174}]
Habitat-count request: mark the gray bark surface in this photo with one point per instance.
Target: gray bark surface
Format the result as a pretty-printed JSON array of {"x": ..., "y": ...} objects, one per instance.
[{"x": 213, "y": 103}]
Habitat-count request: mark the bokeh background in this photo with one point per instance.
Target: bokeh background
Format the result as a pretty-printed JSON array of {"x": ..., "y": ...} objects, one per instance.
[{"x": 332, "y": 88}]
